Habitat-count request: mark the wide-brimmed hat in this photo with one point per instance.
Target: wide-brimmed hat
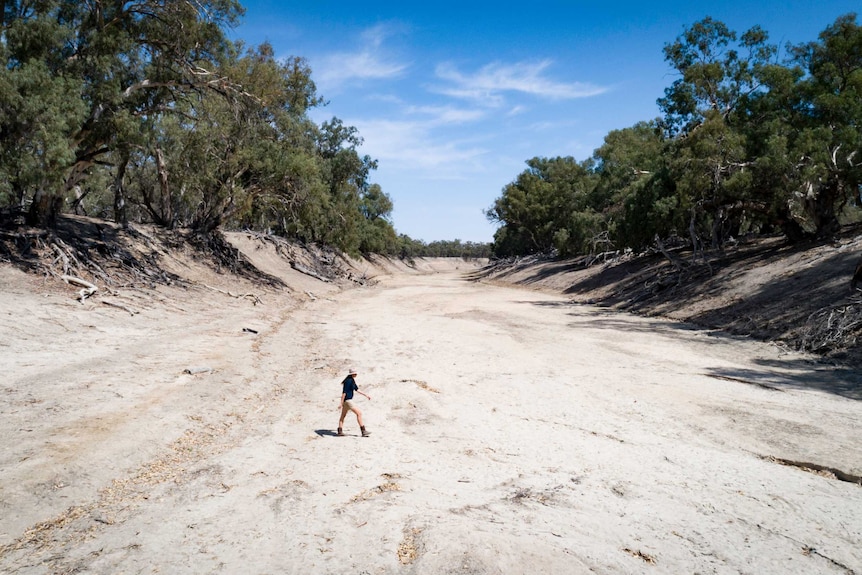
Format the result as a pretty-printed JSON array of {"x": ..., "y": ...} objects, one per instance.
[{"x": 351, "y": 372}]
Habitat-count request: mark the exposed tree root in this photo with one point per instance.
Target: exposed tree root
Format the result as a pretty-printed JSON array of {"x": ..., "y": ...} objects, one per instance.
[{"x": 834, "y": 327}]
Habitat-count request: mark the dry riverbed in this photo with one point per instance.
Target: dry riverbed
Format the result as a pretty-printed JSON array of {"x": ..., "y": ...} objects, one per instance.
[{"x": 512, "y": 432}]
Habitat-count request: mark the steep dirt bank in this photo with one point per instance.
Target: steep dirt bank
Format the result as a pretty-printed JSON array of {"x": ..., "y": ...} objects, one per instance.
[
  {"x": 798, "y": 296},
  {"x": 125, "y": 266}
]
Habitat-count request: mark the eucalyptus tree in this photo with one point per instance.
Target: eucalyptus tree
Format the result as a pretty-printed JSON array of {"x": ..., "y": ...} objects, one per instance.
[
  {"x": 346, "y": 174},
  {"x": 100, "y": 72},
  {"x": 803, "y": 133},
  {"x": 376, "y": 232},
  {"x": 249, "y": 159},
  {"x": 706, "y": 114},
  {"x": 828, "y": 138},
  {"x": 40, "y": 111},
  {"x": 632, "y": 190},
  {"x": 548, "y": 206}
]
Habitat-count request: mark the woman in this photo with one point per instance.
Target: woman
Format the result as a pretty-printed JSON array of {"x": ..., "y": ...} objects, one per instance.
[{"x": 348, "y": 387}]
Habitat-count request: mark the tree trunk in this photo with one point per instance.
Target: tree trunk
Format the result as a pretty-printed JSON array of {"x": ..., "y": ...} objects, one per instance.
[
  {"x": 692, "y": 232},
  {"x": 120, "y": 214},
  {"x": 44, "y": 210},
  {"x": 78, "y": 203},
  {"x": 167, "y": 205},
  {"x": 824, "y": 208}
]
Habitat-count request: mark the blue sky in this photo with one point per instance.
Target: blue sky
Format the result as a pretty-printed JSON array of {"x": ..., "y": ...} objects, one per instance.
[{"x": 452, "y": 98}]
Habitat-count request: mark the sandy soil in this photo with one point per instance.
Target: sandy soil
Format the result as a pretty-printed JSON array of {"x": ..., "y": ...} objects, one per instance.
[{"x": 513, "y": 431}]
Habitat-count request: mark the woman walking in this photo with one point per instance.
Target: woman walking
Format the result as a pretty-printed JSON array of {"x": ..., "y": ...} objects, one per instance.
[{"x": 347, "y": 389}]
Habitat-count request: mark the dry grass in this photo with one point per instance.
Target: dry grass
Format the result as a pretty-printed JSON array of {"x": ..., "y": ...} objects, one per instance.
[
  {"x": 641, "y": 555},
  {"x": 408, "y": 551},
  {"x": 369, "y": 493},
  {"x": 421, "y": 384}
]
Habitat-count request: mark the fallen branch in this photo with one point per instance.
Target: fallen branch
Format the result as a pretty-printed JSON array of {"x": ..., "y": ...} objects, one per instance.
[
  {"x": 254, "y": 299},
  {"x": 130, "y": 311},
  {"x": 197, "y": 370},
  {"x": 591, "y": 259},
  {"x": 89, "y": 289},
  {"x": 833, "y": 327},
  {"x": 302, "y": 269}
]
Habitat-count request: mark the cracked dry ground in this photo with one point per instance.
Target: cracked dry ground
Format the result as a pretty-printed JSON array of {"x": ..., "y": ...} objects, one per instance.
[{"x": 512, "y": 432}]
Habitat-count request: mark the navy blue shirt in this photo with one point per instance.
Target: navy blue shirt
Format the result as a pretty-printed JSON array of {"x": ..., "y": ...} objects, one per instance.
[{"x": 349, "y": 387}]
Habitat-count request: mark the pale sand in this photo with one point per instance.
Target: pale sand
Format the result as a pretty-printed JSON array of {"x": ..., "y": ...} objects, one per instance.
[{"x": 512, "y": 432}]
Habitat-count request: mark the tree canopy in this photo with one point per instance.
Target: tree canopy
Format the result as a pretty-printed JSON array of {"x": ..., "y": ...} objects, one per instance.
[
  {"x": 145, "y": 111},
  {"x": 746, "y": 144}
]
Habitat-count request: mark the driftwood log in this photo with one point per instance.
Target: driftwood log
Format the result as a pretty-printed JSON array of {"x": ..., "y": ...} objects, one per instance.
[
  {"x": 197, "y": 369},
  {"x": 302, "y": 269},
  {"x": 129, "y": 310},
  {"x": 88, "y": 288}
]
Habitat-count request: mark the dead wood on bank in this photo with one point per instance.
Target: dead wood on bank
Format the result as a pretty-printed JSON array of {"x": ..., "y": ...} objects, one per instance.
[
  {"x": 102, "y": 258},
  {"x": 321, "y": 263}
]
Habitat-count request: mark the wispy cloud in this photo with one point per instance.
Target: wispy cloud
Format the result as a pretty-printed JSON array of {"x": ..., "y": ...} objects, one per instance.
[
  {"x": 412, "y": 145},
  {"x": 490, "y": 82},
  {"x": 516, "y": 111},
  {"x": 443, "y": 115},
  {"x": 368, "y": 62}
]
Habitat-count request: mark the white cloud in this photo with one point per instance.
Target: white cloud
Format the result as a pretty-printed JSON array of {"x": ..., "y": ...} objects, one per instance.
[
  {"x": 516, "y": 111},
  {"x": 375, "y": 35},
  {"x": 440, "y": 115},
  {"x": 490, "y": 82},
  {"x": 405, "y": 145},
  {"x": 368, "y": 62}
]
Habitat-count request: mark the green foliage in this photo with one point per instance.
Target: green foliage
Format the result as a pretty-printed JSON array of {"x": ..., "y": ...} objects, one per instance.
[
  {"x": 627, "y": 165},
  {"x": 376, "y": 234},
  {"x": 408, "y": 248},
  {"x": 145, "y": 111},
  {"x": 550, "y": 205},
  {"x": 828, "y": 137},
  {"x": 746, "y": 145}
]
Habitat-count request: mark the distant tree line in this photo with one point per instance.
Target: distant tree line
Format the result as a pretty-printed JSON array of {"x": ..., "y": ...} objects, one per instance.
[
  {"x": 750, "y": 142},
  {"x": 409, "y": 248},
  {"x": 144, "y": 111}
]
